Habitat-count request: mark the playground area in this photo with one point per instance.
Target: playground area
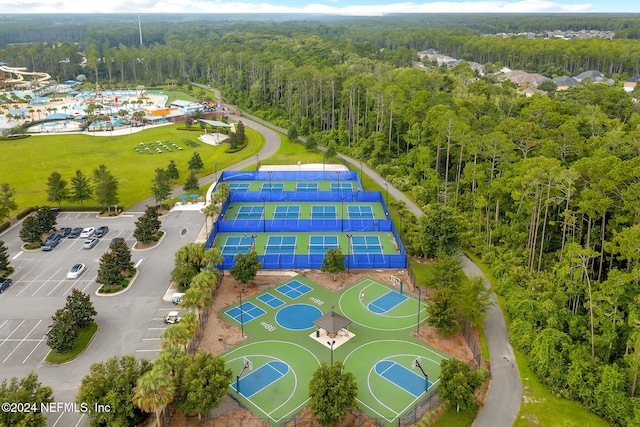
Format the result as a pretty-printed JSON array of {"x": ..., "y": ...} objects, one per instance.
[{"x": 283, "y": 347}]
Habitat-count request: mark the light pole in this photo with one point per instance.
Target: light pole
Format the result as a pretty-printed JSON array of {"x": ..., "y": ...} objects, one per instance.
[
  {"x": 349, "y": 236},
  {"x": 387, "y": 201},
  {"x": 264, "y": 214},
  {"x": 338, "y": 180},
  {"x": 331, "y": 343},
  {"x": 241, "y": 311},
  {"x": 342, "y": 214},
  {"x": 419, "y": 298},
  {"x": 254, "y": 241}
]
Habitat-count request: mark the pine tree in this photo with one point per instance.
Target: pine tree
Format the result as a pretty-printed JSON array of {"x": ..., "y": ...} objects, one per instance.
[
  {"x": 81, "y": 188},
  {"x": 191, "y": 184},
  {"x": 63, "y": 332},
  {"x": 57, "y": 190},
  {"x": 4, "y": 257}
]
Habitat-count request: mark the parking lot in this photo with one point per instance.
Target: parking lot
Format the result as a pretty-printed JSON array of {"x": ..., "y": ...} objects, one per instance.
[{"x": 130, "y": 323}]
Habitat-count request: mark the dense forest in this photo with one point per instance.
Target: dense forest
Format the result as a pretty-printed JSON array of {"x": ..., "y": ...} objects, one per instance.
[{"x": 548, "y": 187}]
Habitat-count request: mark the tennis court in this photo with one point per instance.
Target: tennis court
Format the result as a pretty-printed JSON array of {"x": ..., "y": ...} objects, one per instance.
[
  {"x": 278, "y": 245},
  {"x": 237, "y": 186},
  {"x": 366, "y": 245},
  {"x": 319, "y": 244},
  {"x": 245, "y": 313},
  {"x": 324, "y": 212},
  {"x": 235, "y": 244},
  {"x": 283, "y": 355},
  {"x": 250, "y": 212},
  {"x": 341, "y": 186},
  {"x": 306, "y": 186},
  {"x": 360, "y": 212},
  {"x": 268, "y": 186},
  {"x": 386, "y": 302},
  {"x": 286, "y": 212}
]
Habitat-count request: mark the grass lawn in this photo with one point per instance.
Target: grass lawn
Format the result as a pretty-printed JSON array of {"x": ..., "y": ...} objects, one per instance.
[
  {"x": 292, "y": 152},
  {"x": 83, "y": 341},
  {"x": 451, "y": 418},
  {"x": 541, "y": 408},
  {"x": 35, "y": 158}
]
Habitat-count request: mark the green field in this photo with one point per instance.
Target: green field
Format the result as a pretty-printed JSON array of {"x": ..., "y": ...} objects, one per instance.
[
  {"x": 29, "y": 162},
  {"x": 379, "y": 339}
]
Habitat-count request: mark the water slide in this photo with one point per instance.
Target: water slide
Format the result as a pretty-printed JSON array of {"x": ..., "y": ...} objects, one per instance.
[{"x": 20, "y": 72}]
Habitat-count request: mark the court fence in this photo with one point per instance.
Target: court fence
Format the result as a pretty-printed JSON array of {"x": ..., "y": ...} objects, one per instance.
[{"x": 312, "y": 260}]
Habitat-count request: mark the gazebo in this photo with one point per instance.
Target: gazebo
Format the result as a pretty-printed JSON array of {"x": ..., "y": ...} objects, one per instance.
[{"x": 332, "y": 322}]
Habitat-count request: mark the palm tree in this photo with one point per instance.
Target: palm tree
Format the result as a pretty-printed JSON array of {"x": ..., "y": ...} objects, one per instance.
[
  {"x": 153, "y": 392},
  {"x": 195, "y": 298},
  {"x": 176, "y": 335}
]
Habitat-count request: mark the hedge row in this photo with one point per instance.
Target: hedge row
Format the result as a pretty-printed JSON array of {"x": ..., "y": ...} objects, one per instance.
[
  {"x": 24, "y": 212},
  {"x": 5, "y": 226}
]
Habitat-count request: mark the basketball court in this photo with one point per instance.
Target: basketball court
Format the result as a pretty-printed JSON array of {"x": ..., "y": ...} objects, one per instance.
[{"x": 272, "y": 368}]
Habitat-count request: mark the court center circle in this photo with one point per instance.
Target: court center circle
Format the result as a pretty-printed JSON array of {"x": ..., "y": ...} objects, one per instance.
[{"x": 298, "y": 317}]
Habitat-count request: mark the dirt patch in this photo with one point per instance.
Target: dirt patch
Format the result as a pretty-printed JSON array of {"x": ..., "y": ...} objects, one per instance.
[{"x": 220, "y": 336}]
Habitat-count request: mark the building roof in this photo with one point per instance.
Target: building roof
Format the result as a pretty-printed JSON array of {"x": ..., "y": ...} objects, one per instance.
[
  {"x": 519, "y": 76},
  {"x": 567, "y": 81},
  {"x": 215, "y": 123},
  {"x": 634, "y": 79},
  {"x": 594, "y": 75},
  {"x": 332, "y": 322}
]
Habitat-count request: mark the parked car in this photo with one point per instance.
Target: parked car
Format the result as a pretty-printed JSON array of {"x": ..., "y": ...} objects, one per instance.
[
  {"x": 75, "y": 232},
  {"x": 4, "y": 284},
  {"x": 52, "y": 242},
  {"x": 102, "y": 231},
  {"x": 90, "y": 243},
  {"x": 64, "y": 231},
  {"x": 172, "y": 317},
  {"x": 116, "y": 239},
  {"x": 76, "y": 271},
  {"x": 87, "y": 232}
]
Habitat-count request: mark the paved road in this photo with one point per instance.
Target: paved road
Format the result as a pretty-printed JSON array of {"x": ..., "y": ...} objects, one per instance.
[{"x": 505, "y": 393}]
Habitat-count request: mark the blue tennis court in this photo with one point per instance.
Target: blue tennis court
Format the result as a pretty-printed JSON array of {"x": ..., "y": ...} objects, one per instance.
[
  {"x": 276, "y": 186},
  {"x": 261, "y": 378},
  {"x": 293, "y": 289},
  {"x": 343, "y": 186},
  {"x": 286, "y": 212},
  {"x": 279, "y": 245},
  {"x": 250, "y": 212},
  {"x": 366, "y": 245},
  {"x": 245, "y": 313},
  {"x": 360, "y": 212},
  {"x": 235, "y": 244},
  {"x": 323, "y": 212},
  {"x": 235, "y": 186},
  {"x": 270, "y": 300},
  {"x": 386, "y": 302},
  {"x": 306, "y": 186},
  {"x": 402, "y": 377},
  {"x": 320, "y": 244}
]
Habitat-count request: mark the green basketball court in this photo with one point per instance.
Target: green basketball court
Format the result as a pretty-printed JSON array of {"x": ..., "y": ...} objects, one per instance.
[{"x": 274, "y": 365}]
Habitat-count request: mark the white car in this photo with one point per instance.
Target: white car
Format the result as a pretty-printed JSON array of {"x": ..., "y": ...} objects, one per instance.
[
  {"x": 87, "y": 232},
  {"x": 76, "y": 271},
  {"x": 90, "y": 242}
]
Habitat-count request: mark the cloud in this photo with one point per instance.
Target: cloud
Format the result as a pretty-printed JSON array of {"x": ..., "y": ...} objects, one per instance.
[{"x": 335, "y": 8}]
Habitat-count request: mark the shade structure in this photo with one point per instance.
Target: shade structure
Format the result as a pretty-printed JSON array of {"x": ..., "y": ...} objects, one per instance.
[
  {"x": 332, "y": 322},
  {"x": 183, "y": 196},
  {"x": 194, "y": 195}
]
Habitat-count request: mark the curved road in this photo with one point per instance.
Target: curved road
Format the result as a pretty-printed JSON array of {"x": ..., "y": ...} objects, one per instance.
[{"x": 505, "y": 391}]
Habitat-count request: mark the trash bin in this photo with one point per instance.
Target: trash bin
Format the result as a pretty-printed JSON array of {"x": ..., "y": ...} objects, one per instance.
[{"x": 318, "y": 333}]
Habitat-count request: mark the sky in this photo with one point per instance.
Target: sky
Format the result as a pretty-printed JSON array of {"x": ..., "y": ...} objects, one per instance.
[{"x": 339, "y": 7}]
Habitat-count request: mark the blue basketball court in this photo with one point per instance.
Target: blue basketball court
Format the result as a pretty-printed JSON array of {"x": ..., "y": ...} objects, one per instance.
[
  {"x": 261, "y": 378},
  {"x": 270, "y": 300},
  {"x": 293, "y": 289},
  {"x": 324, "y": 212},
  {"x": 286, "y": 212},
  {"x": 320, "y": 244},
  {"x": 245, "y": 313},
  {"x": 386, "y": 302},
  {"x": 402, "y": 377},
  {"x": 306, "y": 186}
]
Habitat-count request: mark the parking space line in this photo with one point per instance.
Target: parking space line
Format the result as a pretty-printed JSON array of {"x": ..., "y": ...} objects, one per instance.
[
  {"x": 156, "y": 329},
  {"x": 80, "y": 420},
  {"x": 20, "y": 343},
  {"x": 141, "y": 351},
  {"x": 29, "y": 284},
  {"x": 150, "y": 339},
  {"x": 12, "y": 332},
  {"x": 17, "y": 255},
  {"x": 166, "y": 309},
  {"x": 47, "y": 281},
  {"x": 34, "y": 348},
  {"x": 74, "y": 285},
  {"x": 58, "y": 419},
  {"x": 3, "y": 323},
  {"x": 90, "y": 283}
]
